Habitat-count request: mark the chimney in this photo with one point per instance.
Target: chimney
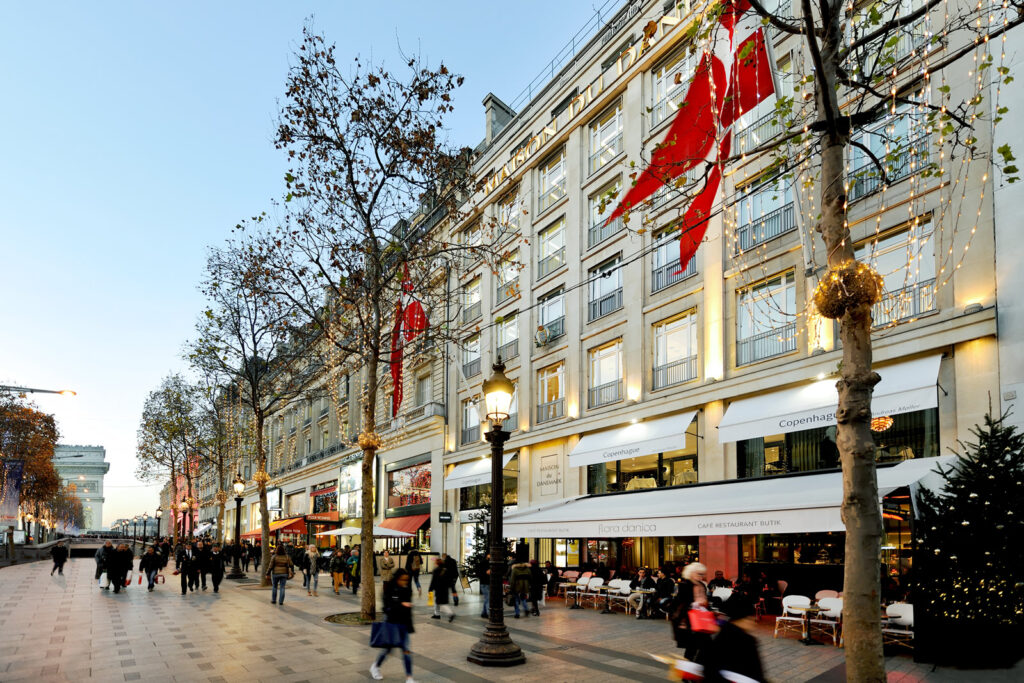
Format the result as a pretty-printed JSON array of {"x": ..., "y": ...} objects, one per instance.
[{"x": 498, "y": 114}]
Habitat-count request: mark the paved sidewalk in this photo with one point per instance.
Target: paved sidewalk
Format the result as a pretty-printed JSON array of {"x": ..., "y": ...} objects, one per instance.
[{"x": 66, "y": 629}]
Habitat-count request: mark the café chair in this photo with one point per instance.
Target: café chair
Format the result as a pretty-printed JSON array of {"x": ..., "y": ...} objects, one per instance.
[
  {"x": 829, "y": 620},
  {"x": 592, "y": 593},
  {"x": 792, "y": 619},
  {"x": 574, "y": 592},
  {"x": 898, "y": 627},
  {"x": 825, "y": 594},
  {"x": 622, "y": 595}
]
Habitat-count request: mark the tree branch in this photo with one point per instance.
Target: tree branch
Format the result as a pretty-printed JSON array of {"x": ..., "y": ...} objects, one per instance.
[
  {"x": 781, "y": 25},
  {"x": 874, "y": 159},
  {"x": 894, "y": 24},
  {"x": 812, "y": 44}
]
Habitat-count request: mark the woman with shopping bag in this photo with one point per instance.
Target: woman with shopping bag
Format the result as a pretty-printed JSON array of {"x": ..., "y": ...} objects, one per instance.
[
  {"x": 395, "y": 629},
  {"x": 688, "y": 624}
]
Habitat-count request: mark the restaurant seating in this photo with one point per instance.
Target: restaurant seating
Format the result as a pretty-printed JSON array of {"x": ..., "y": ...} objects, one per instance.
[
  {"x": 621, "y": 595},
  {"x": 826, "y": 594},
  {"x": 829, "y": 620},
  {"x": 568, "y": 577},
  {"x": 592, "y": 593},
  {"x": 575, "y": 591},
  {"x": 898, "y": 628},
  {"x": 721, "y": 593},
  {"x": 791, "y": 619}
]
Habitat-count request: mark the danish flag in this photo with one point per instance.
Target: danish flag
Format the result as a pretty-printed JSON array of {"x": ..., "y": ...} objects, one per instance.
[
  {"x": 410, "y": 320},
  {"x": 729, "y": 81}
]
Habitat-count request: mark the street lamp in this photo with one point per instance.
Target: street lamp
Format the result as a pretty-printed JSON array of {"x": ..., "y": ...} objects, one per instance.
[
  {"x": 145, "y": 524},
  {"x": 135, "y": 530},
  {"x": 183, "y": 506},
  {"x": 239, "y": 487},
  {"x": 159, "y": 513},
  {"x": 29, "y": 390},
  {"x": 495, "y": 647}
]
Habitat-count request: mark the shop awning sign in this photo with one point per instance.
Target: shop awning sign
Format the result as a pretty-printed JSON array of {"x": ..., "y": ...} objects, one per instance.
[
  {"x": 473, "y": 473},
  {"x": 633, "y": 441}
]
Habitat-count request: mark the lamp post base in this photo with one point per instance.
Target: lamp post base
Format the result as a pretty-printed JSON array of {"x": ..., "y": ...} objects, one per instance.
[
  {"x": 495, "y": 648},
  {"x": 235, "y": 575}
]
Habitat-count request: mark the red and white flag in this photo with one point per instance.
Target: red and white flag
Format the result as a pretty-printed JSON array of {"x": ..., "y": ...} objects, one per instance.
[
  {"x": 730, "y": 80},
  {"x": 410, "y": 321}
]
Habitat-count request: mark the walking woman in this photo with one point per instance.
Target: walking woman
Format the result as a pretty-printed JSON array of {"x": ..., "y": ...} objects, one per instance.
[
  {"x": 691, "y": 594},
  {"x": 279, "y": 569},
  {"x": 311, "y": 567},
  {"x": 398, "y": 611}
]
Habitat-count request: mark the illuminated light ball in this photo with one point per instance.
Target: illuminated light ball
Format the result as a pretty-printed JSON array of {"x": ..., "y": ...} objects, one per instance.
[
  {"x": 999, "y": 527},
  {"x": 973, "y": 495},
  {"x": 937, "y": 552},
  {"x": 965, "y": 523},
  {"x": 953, "y": 557}
]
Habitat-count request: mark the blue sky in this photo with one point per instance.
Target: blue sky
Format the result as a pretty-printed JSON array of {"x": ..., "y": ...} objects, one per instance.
[{"x": 136, "y": 134}]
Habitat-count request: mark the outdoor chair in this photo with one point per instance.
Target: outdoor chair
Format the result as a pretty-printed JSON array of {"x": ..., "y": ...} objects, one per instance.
[
  {"x": 621, "y": 595},
  {"x": 721, "y": 593},
  {"x": 825, "y": 594},
  {"x": 792, "y": 619},
  {"x": 574, "y": 592},
  {"x": 591, "y": 593},
  {"x": 567, "y": 578},
  {"x": 898, "y": 629},
  {"x": 830, "y": 619}
]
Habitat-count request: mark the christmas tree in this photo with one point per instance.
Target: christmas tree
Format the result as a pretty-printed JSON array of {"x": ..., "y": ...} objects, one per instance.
[{"x": 970, "y": 533}]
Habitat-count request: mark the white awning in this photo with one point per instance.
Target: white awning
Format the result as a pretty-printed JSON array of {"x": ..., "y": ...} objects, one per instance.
[
  {"x": 473, "y": 473},
  {"x": 905, "y": 388},
  {"x": 784, "y": 504},
  {"x": 202, "y": 529},
  {"x": 632, "y": 441}
]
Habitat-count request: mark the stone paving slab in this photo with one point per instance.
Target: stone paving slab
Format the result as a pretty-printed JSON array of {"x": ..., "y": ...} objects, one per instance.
[{"x": 67, "y": 629}]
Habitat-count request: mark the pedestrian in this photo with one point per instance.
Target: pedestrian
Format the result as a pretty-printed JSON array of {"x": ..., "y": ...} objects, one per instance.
[
  {"x": 59, "y": 553},
  {"x": 354, "y": 570},
  {"x": 246, "y": 555},
  {"x": 483, "y": 576},
  {"x": 552, "y": 574},
  {"x": 311, "y": 567},
  {"x": 413, "y": 565},
  {"x": 124, "y": 560},
  {"x": 279, "y": 570},
  {"x": 165, "y": 551},
  {"x": 186, "y": 564},
  {"x": 731, "y": 653},
  {"x": 257, "y": 555},
  {"x": 398, "y": 611},
  {"x": 452, "y": 569},
  {"x": 103, "y": 557},
  {"x": 205, "y": 566},
  {"x": 217, "y": 561},
  {"x": 691, "y": 593},
  {"x": 519, "y": 582},
  {"x": 150, "y": 564},
  {"x": 387, "y": 570},
  {"x": 537, "y": 581},
  {"x": 348, "y": 572},
  {"x": 338, "y": 568},
  {"x": 440, "y": 585}
]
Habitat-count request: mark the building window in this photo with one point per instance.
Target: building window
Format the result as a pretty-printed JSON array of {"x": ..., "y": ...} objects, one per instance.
[
  {"x": 670, "y": 81},
  {"x": 471, "y": 357},
  {"x": 423, "y": 389},
  {"x": 605, "y": 374},
  {"x": 765, "y": 211},
  {"x": 765, "y": 319},
  {"x": 552, "y": 179},
  {"x": 675, "y": 351},
  {"x": 602, "y": 203},
  {"x": 552, "y": 247},
  {"x": 508, "y": 277},
  {"x": 471, "y": 307},
  {"x": 343, "y": 386},
  {"x": 551, "y": 313},
  {"x": 512, "y": 423},
  {"x": 509, "y": 211},
  {"x": 906, "y": 262},
  {"x": 508, "y": 337},
  {"x": 672, "y": 468},
  {"x": 409, "y": 486},
  {"x": 309, "y": 446},
  {"x": 551, "y": 392},
  {"x": 605, "y": 289},
  {"x": 472, "y": 237},
  {"x": 665, "y": 267},
  {"x": 325, "y": 439},
  {"x": 605, "y": 137},
  {"x": 900, "y": 143},
  {"x": 763, "y": 122},
  {"x": 477, "y": 497},
  {"x": 470, "y": 422}
]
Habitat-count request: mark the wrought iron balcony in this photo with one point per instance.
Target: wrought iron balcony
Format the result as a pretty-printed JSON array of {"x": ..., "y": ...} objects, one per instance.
[
  {"x": 471, "y": 312},
  {"x": 905, "y": 303},
  {"x": 603, "y": 230},
  {"x": 509, "y": 350},
  {"x": 766, "y": 345},
  {"x": 669, "y": 274},
  {"x": 552, "y": 410},
  {"x": 471, "y": 369},
  {"x": 551, "y": 262},
  {"x": 608, "y": 303},
  {"x": 676, "y": 372},
  {"x": 766, "y": 227}
]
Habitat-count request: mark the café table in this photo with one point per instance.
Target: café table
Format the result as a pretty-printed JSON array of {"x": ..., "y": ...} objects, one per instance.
[
  {"x": 808, "y": 611},
  {"x": 607, "y": 590},
  {"x": 644, "y": 592}
]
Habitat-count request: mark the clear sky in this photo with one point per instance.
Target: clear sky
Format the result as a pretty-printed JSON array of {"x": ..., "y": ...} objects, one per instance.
[{"x": 136, "y": 134}]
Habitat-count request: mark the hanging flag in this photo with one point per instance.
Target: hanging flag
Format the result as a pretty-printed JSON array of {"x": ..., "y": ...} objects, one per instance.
[
  {"x": 728, "y": 82},
  {"x": 10, "y": 490},
  {"x": 410, "y": 321}
]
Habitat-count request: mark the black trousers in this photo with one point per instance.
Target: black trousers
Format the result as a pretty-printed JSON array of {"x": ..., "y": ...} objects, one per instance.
[
  {"x": 355, "y": 584},
  {"x": 189, "y": 579},
  {"x": 217, "y": 577}
]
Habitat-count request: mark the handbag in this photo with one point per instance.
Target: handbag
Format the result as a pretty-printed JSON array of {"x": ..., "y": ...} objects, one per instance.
[
  {"x": 430, "y": 599},
  {"x": 702, "y": 621},
  {"x": 384, "y": 634}
]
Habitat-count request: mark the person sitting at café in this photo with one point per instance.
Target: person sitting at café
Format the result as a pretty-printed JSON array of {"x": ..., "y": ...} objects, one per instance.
[
  {"x": 664, "y": 589},
  {"x": 552, "y": 574},
  {"x": 719, "y": 581},
  {"x": 642, "y": 582}
]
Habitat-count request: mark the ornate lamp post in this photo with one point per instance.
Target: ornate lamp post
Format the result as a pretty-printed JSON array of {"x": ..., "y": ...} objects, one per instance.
[
  {"x": 183, "y": 506},
  {"x": 495, "y": 647},
  {"x": 239, "y": 488},
  {"x": 159, "y": 513},
  {"x": 145, "y": 525}
]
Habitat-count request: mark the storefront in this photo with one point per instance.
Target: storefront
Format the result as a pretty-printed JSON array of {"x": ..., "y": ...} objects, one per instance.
[
  {"x": 408, "y": 485},
  {"x": 324, "y": 515},
  {"x": 472, "y": 479},
  {"x": 292, "y": 530}
]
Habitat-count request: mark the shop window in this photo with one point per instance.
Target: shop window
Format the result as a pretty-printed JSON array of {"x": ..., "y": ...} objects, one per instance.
[
  {"x": 552, "y": 180},
  {"x": 409, "y": 486},
  {"x": 816, "y": 548},
  {"x": 672, "y": 468},
  {"x": 897, "y": 437},
  {"x": 476, "y": 497},
  {"x": 766, "y": 319},
  {"x": 567, "y": 552},
  {"x": 602, "y": 552}
]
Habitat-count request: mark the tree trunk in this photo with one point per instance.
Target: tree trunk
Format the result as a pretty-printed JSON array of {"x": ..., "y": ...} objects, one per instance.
[
  {"x": 261, "y": 458},
  {"x": 860, "y": 510},
  {"x": 172, "y": 514},
  {"x": 368, "y": 441}
]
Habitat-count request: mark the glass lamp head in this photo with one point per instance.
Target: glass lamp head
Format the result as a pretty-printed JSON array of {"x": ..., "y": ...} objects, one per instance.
[
  {"x": 239, "y": 485},
  {"x": 498, "y": 390}
]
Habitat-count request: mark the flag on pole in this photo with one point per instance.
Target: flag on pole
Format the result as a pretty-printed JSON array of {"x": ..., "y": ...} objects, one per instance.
[
  {"x": 410, "y": 321},
  {"x": 729, "y": 81}
]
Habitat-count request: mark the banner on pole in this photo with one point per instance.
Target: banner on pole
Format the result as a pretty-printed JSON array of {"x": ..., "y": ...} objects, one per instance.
[{"x": 10, "y": 491}]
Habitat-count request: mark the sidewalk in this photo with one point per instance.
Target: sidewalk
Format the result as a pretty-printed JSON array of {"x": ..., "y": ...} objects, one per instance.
[{"x": 66, "y": 629}]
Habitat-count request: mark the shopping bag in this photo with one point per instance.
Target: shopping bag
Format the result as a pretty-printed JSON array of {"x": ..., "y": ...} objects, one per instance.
[
  {"x": 384, "y": 634},
  {"x": 128, "y": 579},
  {"x": 703, "y": 621},
  {"x": 430, "y": 599},
  {"x": 140, "y": 579},
  {"x": 104, "y": 580},
  {"x": 160, "y": 578}
]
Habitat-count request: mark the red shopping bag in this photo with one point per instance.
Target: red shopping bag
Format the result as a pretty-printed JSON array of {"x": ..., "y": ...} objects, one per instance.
[
  {"x": 703, "y": 621},
  {"x": 160, "y": 578}
]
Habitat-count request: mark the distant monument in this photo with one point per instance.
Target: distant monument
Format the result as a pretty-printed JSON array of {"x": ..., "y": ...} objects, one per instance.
[{"x": 84, "y": 467}]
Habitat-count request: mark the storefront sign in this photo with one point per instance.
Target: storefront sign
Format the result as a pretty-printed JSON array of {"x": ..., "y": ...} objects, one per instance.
[
  {"x": 444, "y": 517},
  {"x": 550, "y": 475},
  {"x": 625, "y": 61},
  {"x": 274, "y": 500},
  {"x": 323, "y": 517}
]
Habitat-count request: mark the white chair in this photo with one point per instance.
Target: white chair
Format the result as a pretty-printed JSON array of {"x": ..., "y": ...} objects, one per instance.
[
  {"x": 792, "y": 619},
  {"x": 722, "y": 593},
  {"x": 622, "y": 595},
  {"x": 574, "y": 592},
  {"x": 825, "y": 594},
  {"x": 568, "y": 577},
  {"x": 592, "y": 593},
  {"x": 829, "y": 620},
  {"x": 898, "y": 629}
]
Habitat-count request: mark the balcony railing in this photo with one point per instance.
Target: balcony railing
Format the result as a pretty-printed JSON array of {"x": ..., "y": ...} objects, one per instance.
[
  {"x": 554, "y": 329},
  {"x": 512, "y": 423},
  {"x": 423, "y": 411},
  {"x": 552, "y": 195},
  {"x": 551, "y": 262},
  {"x": 905, "y": 303},
  {"x": 766, "y": 227},
  {"x": 866, "y": 179},
  {"x": 669, "y": 274},
  {"x": 552, "y": 410},
  {"x": 509, "y": 350},
  {"x": 470, "y": 434},
  {"x": 608, "y": 152},
  {"x": 471, "y": 312},
  {"x": 606, "y": 304},
  {"x": 471, "y": 369},
  {"x": 668, "y": 193},
  {"x": 676, "y": 372},
  {"x": 882, "y": 54},
  {"x": 507, "y": 290},
  {"x": 602, "y": 231},
  {"x": 759, "y": 132},
  {"x": 604, "y": 394},
  {"x": 768, "y": 344}
]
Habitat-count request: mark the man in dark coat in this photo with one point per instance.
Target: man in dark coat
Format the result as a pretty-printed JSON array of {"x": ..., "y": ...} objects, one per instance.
[
  {"x": 205, "y": 566},
  {"x": 452, "y": 572},
  {"x": 440, "y": 585},
  {"x": 124, "y": 560},
  {"x": 216, "y": 562},
  {"x": 59, "y": 553},
  {"x": 104, "y": 558},
  {"x": 187, "y": 564},
  {"x": 537, "y": 581}
]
